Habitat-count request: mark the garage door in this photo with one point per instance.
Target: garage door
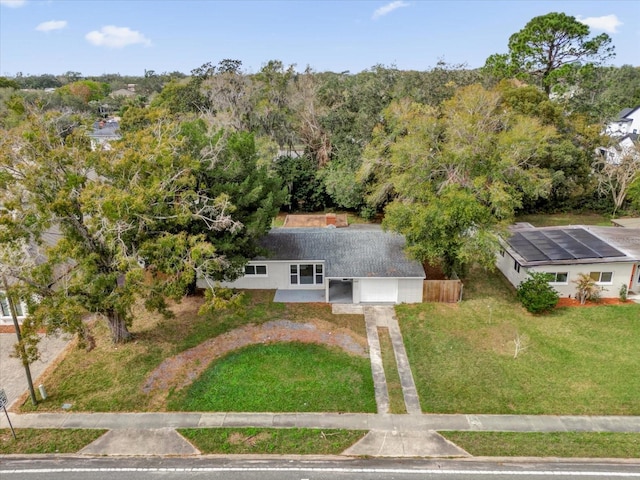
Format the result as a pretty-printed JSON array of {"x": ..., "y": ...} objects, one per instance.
[{"x": 379, "y": 291}]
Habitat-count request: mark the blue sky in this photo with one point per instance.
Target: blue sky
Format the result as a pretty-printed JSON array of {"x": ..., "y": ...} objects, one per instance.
[{"x": 130, "y": 36}]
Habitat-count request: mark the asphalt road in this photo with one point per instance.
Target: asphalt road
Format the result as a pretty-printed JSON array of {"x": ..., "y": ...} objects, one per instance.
[{"x": 218, "y": 468}]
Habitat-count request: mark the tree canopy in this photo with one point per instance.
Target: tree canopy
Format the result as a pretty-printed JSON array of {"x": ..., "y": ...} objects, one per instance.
[
  {"x": 549, "y": 49},
  {"x": 111, "y": 225}
]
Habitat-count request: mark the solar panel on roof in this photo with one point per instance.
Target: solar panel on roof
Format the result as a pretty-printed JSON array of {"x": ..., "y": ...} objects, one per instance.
[
  {"x": 602, "y": 248},
  {"x": 561, "y": 244}
]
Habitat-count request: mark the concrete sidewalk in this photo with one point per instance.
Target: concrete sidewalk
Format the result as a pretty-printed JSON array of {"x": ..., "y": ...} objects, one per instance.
[{"x": 351, "y": 421}]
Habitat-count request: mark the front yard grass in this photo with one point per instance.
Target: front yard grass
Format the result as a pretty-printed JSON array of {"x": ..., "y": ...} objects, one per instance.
[
  {"x": 33, "y": 440},
  {"x": 561, "y": 444},
  {"x": 110, "y": 377},
  {"x": 282, "y": 441},
  {"x": 282, "y": 377},
  {"x": 577, "y": 360}
]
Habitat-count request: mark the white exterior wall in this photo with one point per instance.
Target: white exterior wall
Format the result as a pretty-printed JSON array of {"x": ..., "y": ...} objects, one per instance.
[
  {"x": 621, "y": 275},
  {"x": 505, "y": 263},
  {"x": 277, "y": 278},
  {"x": 617, "y": 128},
  {"x": 410, "y": 290}
]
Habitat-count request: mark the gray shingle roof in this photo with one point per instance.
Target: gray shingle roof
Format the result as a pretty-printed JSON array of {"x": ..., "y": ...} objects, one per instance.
[{"x": 347, "y": 252}]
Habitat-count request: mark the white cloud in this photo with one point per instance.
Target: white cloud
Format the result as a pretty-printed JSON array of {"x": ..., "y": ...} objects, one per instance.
[
  {"x": 51, "y": 25},
  {"x": 606, "y": 23},
  {"x": 388, "y": 8},
  {"x": 116, "y": 37},
  {"x": 13, "y": 3}
]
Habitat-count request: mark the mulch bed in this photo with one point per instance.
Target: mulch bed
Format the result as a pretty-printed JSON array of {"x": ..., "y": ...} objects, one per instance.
[{"x": 572, "y": 302}]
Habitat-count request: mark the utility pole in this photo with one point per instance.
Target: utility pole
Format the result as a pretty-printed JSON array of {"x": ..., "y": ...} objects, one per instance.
[{"x": 22, "y": 351}]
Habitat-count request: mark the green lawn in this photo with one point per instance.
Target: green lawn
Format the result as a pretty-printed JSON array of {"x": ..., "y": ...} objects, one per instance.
[
  {"x": 31, "y": 440},
  {"x": 564, "y": 444},
  {"x": 110, "y": 377},
  {"x": 283, "y": 377},
  {"x": 575, "y": 361},
  {"x": 284, "y": 441},
  {"x": 555, "y": 219}
]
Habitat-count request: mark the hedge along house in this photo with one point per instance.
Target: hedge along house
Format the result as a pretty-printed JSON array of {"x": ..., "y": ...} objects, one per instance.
[
  {"x": 610, "y": 255},
  {"x": 358, "y": 264}
]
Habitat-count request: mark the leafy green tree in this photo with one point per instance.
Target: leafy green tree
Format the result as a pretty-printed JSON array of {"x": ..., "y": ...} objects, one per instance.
[
  {"x": 300, "y": 177},
  {"x": 8, "y": 83},
  {"x": 121, "y": 220},
  {"x": 548, "y": 49},
  {"x": 233, "y": 169},
  {"x": 463, "y": 168},
  {"x": 536, "y": 294}
]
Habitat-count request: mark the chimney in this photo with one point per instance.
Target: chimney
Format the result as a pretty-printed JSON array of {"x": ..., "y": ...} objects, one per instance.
[{"x": 330, "y": 219}]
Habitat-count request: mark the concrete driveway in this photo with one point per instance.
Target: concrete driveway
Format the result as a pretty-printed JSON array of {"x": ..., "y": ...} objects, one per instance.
[{"x": 12, "y": 376}]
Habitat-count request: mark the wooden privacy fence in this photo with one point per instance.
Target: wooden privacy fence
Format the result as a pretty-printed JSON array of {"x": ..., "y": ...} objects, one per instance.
[{"x": 443, "y": 291}]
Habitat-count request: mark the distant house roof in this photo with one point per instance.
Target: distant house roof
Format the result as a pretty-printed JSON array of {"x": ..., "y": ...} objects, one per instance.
[
  {"x": 574, "y": 245},
  {"x": 622, "y": 116},
  {"x": 122, "y": 92},
  {"x": 347, "y": 252},
  {"x": 108, "y": 130},
  {"x": 627, "y": 222}
]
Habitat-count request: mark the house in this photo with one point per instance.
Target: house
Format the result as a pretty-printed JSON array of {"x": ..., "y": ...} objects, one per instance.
[
  {"x": 624, "y": 130},
  {"x": 610, "y": 255},
  {"x": 105, "y": 131},
  {"x": 628, "y": 122},
  {"x": 357, "y": 264}
]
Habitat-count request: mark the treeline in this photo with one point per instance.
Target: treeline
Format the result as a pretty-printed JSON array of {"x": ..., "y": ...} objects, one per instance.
[{"x": 320, "y": 125}]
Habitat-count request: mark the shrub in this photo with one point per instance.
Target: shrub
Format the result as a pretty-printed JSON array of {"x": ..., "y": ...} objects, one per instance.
[
  {"x": 624, "y": 291},
  {"x": 535, "y": 293},
  {"x": 586, "y": 288}
]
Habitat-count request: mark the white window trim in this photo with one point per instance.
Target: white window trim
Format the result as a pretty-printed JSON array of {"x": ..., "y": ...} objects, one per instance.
[
  {"x": 598, "y": 282},
  {"x": 555, "y": 282},
  {"x": 22, "y": 308},
  {"x": 256, "y": 274},
  {"x": 315, "y": 274}
]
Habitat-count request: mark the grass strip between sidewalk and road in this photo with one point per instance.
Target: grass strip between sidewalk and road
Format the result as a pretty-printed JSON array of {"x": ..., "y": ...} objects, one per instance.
[
  {"x": 559, "y": 444},
  {"x": 282, "y": 441},
  {"x": 35, "y": 440}
]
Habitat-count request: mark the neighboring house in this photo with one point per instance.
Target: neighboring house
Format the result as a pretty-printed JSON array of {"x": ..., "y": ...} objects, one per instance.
[
  {"x": 105, "y": 131},
  {"x": 360, "y": 264},
  {"x": 610, "y": 255},
  {"x": 626, "y": 146},
  {"x": 123, "y": 92},
  {"x": 628, "y": 122},
  {"x": 624, "y": 130}
]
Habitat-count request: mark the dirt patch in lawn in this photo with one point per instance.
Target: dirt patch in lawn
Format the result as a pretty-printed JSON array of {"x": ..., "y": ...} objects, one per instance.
[
  {"x": 572, "y": 302},
  {"x": 181, "y": 370}
]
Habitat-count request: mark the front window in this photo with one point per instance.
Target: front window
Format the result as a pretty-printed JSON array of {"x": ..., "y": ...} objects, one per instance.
[
  {"x": 255, "y": 270},
  {"x": 306, "y": 274},
  {"x": 557, "y": 277},
  {"x": 602, "y": 277},
  {"x": 6, "y": 311}
]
